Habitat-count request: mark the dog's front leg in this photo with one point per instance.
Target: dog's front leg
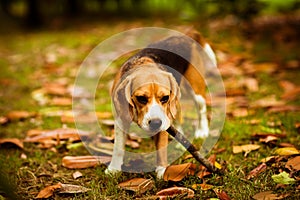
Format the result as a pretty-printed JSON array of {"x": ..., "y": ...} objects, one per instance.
[
  {"x": 161, "y": 143},
  {"x": 118, "y": 151}
]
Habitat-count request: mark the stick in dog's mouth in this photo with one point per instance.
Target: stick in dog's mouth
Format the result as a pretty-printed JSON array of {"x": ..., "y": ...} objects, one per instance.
[{"x": 192, "y": 149}]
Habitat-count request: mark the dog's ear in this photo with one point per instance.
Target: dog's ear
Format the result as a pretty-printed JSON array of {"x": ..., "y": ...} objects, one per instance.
[
  {"x": 174, "y": 102},
  {"x": 122, "y": 98}
]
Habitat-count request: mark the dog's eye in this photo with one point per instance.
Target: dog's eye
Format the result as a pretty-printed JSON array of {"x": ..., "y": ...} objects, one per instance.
[
  {"x": 142, "y": 99},
  {"x": 164, "y": 99}
]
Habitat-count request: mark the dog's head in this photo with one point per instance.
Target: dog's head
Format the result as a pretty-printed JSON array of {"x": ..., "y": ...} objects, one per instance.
[{"x": 152, "y": 96}]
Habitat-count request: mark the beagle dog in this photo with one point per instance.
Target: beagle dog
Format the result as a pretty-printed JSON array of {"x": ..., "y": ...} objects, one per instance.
[{"x": 146, "y": 91}]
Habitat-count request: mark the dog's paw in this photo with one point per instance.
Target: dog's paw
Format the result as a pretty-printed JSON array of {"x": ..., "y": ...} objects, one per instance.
[
  {"x": 111, "y": 171},
  {"x": 160, "y": 170},
  {"x": 202, "y": 133}
]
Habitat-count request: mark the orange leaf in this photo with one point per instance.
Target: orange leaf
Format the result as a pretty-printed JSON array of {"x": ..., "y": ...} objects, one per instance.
[
  {"x": 177, "y": 172},
  {"x": 14, "y": 141},
  {"x": 139, "y": 185},
  {"x": 48, "y": 191},
  {"x": 175, "y": 191},
  {"x": 19, "y": 115},
  {"x": 293, "y": 164},
  {"x": 222, "y": 194},
  {"x": 80, "y": 162},
  {"x": 268, "y": 195},
  {"x": 261, "y": 168}
]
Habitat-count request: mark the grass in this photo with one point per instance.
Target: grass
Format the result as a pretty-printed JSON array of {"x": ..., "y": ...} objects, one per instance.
[{"x": 23, "y": 69}]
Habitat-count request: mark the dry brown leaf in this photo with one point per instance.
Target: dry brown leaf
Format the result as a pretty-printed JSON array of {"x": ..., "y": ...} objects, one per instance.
[
  {"x": 222, "y": 195},
  {"x": 284, "y": 108},
  {"x": 292, "y": 94},
  {"x": 245, "y": 148},
  {"x": 261, "y": 168},
  {"x": 3, "y": 120},
  {"x": 287, "y": 85},
  {"x": 293, "y": 164},
  {"x": 268, "y": 195},
  {"x": 132, "y": 144},
  {"x": 14, "y": 141},
  {"x": 177, "y": 172},
  {"x": 55, "y": 89},
  {"x": 80, "y": 162},
  {"x": 240, "y": 112},
  {"x": 139, "y": 185},
  {"x": 19, "y": 115},
  {"x": 77, "y": 174},
  {"x": 175, "y": 191},
  {"x": 72, "y": 189},
  {"x": 265, "y": 135},
  {"x": 266, "y": 102},
  {"x": 48, "y": 191},
  {"x": 287, "y": 151},
  {"x": 85, "y": 119},
  {"x": 268, "y": 139},
  {"x": 251, "y": 84},
  {"x": 57, "y": 134},
  {"x": 61, "y": 101}
]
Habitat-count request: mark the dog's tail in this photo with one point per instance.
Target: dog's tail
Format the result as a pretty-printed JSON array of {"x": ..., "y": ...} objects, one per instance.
[{"x": 211, "y": 57}]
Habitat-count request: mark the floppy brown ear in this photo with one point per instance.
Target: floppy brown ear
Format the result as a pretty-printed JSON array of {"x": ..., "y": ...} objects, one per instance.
[
  {"x": 174, "y": 102},
  {"x": 122, "y": 98}
]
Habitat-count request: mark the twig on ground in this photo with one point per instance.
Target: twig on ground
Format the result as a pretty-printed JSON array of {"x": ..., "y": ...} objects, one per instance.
[{"x": 192, "y": 149}]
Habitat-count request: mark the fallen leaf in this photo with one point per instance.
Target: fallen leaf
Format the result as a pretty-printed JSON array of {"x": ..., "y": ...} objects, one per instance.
[
  {"x": 222, "y": 194},
  {"x": 268, "y": 139},
  {"x": 77, "y": 174},
  {"x": 177, "y": 172},
  {"x": 80, "y": 162},
  {"x": 12, "y": 141},
  {"x": 61, "y": 101},
  {"x": 139, "y": 185},
  {"x": 132, "y": 144},
  {"x": 292, "y": 94},
  {"x": 287, "y": 85},
  {"x": 240, "y": 112},
  {"x": 72, "y": 189},
  {"x": 293, "y": 164},
  {"x": 104, "y": 115},
  {"x": 269, "y": 101},
  {"x": 202, "y": 186},
  {"x": 284, "y": 108},
  {"x": 268, "y": 195},
  {"x": 245, "y": 148},
  {"x": 287, "y": 151},
  {"x": 19, "y": 115},
  {"x": 261, "y": 168},
  {"x": 3, "y": 120},
  {"x": 283, "y": 178},
  {"x": 48, "y": 191},
  {"x": 251, "y": 84},
  {"x": 57, "y": 134},
  {"x": 175, "y": 191},
  {"x": 270, "y": 159},
  {"x": 265, "y": 135},
  {"x": 55, "y": 89}
]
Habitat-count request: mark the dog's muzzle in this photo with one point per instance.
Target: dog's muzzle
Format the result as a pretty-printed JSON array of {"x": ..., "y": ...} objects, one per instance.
[{"x": 155, "y": 124}]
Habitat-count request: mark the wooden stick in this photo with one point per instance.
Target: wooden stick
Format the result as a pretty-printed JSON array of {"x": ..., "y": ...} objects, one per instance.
[{"x": 192, "y": 149}]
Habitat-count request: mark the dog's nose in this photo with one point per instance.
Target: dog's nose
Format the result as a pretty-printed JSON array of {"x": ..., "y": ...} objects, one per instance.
[{"x": 154, "y": 124}]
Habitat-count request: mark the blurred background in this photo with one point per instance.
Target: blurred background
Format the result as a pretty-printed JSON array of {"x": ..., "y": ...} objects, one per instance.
[{"x": 59, "y": 13}]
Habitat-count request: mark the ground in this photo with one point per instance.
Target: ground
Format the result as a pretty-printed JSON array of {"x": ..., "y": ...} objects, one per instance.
[{"x": 259, "y": 64}]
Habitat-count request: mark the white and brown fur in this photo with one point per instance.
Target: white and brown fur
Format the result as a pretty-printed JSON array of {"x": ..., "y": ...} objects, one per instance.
[{"x": 147, "y": 92}]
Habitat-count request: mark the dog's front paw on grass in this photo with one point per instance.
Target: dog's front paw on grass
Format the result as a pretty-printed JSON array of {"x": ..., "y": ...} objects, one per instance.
[
  {"x": 160, "y": 171},
  {"x": 112, "y": 172}
]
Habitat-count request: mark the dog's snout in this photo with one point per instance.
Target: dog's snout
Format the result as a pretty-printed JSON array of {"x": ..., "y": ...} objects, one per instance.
[{"x": 154, "y": 124}]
